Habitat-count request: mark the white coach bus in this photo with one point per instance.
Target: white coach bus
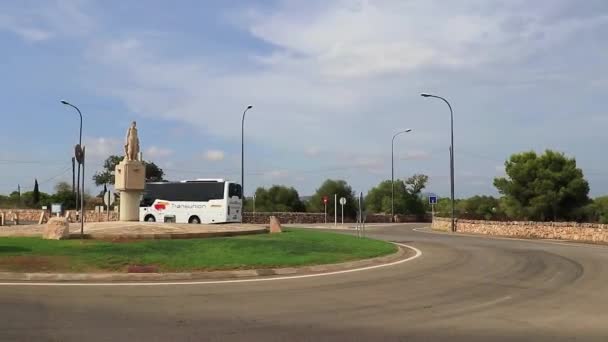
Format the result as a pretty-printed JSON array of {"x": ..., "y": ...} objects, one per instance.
[{"x": 192, "y": 201}]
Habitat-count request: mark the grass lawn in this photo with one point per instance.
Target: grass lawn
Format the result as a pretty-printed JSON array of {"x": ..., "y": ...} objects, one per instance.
[{"x": 293, "y": 247}]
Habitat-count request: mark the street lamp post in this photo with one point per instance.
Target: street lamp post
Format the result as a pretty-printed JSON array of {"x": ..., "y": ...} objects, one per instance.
[
  {"x": 393, "y": 173},
  {"x": 451, "y": 155},
  {"x": 80, "y": 187},
  {"x": 243, "y": 151}
]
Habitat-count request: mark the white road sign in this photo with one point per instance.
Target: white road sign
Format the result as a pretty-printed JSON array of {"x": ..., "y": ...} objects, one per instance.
[
  {"x": 108, "y": 198},
  {"x": 342, "y": 200}
]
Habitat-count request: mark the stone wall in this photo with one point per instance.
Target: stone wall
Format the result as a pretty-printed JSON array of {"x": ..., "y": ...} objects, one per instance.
[
  {"x": 584, "y": 232},
  {"x": 261, "y": 218},
  {"x": 28, "y": 216}
]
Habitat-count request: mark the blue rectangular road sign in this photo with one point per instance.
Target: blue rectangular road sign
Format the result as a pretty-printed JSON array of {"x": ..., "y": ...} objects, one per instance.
[{"x": 432, "y": 199}]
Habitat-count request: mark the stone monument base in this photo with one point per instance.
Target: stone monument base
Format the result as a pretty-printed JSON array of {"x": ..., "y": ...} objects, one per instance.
[
  {"x": 129, "y": 205},
  {"x": 130, "y": 181}
]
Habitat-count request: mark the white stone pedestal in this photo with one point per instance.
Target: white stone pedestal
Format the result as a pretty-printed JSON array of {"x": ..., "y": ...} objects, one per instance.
[
  {"x": 130, "y": 176},
  {"x": 129, "y": 205}
]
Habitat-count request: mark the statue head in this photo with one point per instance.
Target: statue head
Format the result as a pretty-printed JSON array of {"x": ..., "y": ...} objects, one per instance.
[{"x": 133, "y": 124}]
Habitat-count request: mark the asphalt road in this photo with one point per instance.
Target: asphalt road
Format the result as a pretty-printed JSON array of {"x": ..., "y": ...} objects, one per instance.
[{"x": 460, "y": 289}]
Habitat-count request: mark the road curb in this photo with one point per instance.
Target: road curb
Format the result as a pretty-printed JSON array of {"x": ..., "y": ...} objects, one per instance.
[{"x": 402, "y": 253}]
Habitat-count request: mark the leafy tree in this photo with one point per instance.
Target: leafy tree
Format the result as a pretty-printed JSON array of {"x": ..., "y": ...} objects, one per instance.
[
  {"x": 277, "y": 198},
  {"x": 329, "y": 188},
  {"x": 416, "y": 183},
  {"x": 378, "y": 199},
  {"x": 597, "y": 210},
  {"x": 443, "y": 208},
  {"x": 408, "y": 199},
  {"x": 63, "y": 194},
  {"x": 414, "y": 202},
  {"x": 546, "y": 187},
  {"x": 36, "y": 194},
  {"x": 153, "y": 172},
  {"x": 28, "y": 199},
  {"x": 106, "y": 176},
  {"x": 479, "y": 208}
]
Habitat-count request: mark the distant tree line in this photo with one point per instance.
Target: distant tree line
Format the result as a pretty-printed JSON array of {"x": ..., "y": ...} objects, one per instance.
[
  {"x": 408, "y": 198},
  {"x": 35, "y": 199},
  {"x": 547, "y": 187}
]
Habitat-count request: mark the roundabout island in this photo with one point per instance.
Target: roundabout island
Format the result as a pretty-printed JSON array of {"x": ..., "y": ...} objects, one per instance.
[{"x": 119, "y": 251}]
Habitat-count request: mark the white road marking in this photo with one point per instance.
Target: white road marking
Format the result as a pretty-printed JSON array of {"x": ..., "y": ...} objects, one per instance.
[
  {"x": 484, "y": 236},
  {"x": 491, "y": 302},
  {"x": 210, "y": 282}
]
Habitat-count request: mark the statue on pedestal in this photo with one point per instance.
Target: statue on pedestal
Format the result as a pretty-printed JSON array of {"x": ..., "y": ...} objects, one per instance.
[
  {"x": 130, "y": 177},
  {"x": 132, "y": 143}
]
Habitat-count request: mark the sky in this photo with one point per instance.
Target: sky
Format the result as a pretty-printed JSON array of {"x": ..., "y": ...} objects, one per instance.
[{"x": 330, "y": 82}]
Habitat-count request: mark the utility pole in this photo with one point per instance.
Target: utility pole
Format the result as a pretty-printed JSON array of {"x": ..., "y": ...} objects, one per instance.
[
  {"x": 243, "y": 151},
  {"x": 393, "y": 172},
  {"x": 73, "y": 176},
  {"x": 335, "y": 210},
  {"x": 451, "y": 155}
]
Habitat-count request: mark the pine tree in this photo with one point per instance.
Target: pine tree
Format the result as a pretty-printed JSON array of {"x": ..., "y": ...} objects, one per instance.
[{"x": 36, "y": 194}]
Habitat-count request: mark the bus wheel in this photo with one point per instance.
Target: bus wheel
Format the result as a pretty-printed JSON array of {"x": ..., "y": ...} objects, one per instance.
[
  {"x": 194, "y": 220},
  {"x": 150, "y": 218}
]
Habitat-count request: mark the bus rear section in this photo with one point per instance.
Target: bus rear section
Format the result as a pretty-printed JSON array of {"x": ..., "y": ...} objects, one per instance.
[{"x": 193, "y": 201}]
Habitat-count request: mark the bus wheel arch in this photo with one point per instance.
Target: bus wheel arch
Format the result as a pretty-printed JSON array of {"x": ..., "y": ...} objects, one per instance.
[
  {"x": 150, "y": 218},
  {"x": 194, "y": 219}
]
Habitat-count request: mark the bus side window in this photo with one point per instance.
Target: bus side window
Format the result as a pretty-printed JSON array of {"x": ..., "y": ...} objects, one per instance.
[
  {"x": 234, "y": 190},
  {"x": 146, "y": 202}
]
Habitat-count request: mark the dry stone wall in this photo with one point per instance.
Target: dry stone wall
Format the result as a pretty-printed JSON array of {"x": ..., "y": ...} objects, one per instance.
[
  {"x": 28, "y": 216},
  {"x": 262, "y": 218},
  {"x": 584, "y": 232}
]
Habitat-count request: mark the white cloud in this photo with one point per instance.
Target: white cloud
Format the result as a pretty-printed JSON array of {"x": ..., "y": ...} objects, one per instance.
[
  {"x": 416, "y": 155},
  {"x": 312, "y": 151},
  {"x": 155, "y": 152},
  {"x": 47, "y": 20},
  {"x": 214, "y": 155},
  {"x": 366, "y": 38},
  {"x": 98, "y": 149},
  {"x": 343, "y": 74},
  {"x": 276, "y": 174}
]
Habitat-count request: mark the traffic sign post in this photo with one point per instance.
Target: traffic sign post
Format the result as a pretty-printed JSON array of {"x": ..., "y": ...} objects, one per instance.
[
  {"x": 342, "y": 203},
  {"x": 108, "y": 200},
  {"x": 432, "y": 202},
  {"x": 335, "y": 210},
  {"x": 325, "y": 200}
]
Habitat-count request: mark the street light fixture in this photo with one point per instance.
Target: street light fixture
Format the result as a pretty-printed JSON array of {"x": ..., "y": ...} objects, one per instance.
[
  {"x": 451, "y": 155},
  {"x": 79, "y": 188},
  {"x": 393, "y": 172},
  {"x": 243, "y": 152}
]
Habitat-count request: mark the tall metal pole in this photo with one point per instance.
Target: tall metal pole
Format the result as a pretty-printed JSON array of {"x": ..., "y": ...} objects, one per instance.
[
  {"x": 243, "y": 152},
  {"x": 335, "y": 209},
  {"x": 393, "y": 173},
  {"x": 81, "y": 195},
  {"x": 451, "y": 156},
  {"x": 73, "y": 176},
  {"x": 82, "y": 198}
]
